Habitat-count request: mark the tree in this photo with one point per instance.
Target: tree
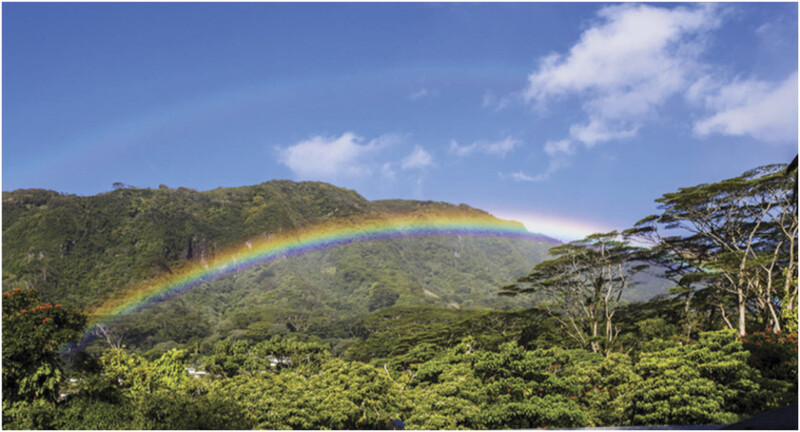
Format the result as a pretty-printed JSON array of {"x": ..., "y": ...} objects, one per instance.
[
  {"x": 683, "y": 261},
  {"x": 240, "y": 358},
  {"x": 583, "y": 285},
  {"x": 514, "y": 388},
  {"x": 382, "y": 296},
  {"x": 742, "y": 234},
  {"x": 336, "y": 395},
  {"x": 33, "y": 331},
  {"x": 129, "y": 391},
  {"x": 114, "y": 334},
  {"x": 705, "y": 383}
]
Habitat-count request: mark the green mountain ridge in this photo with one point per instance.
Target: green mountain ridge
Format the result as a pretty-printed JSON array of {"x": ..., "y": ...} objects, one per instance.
[
  {"x": 80, "y": 251},
  {"x": 73, "y": 246}
]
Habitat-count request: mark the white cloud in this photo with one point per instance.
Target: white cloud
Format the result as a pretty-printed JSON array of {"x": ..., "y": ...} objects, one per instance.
[
  {"x": 387, "y": 171},
  {"x": 597, "y": 130},
  {"x": 774, "y": 35},
  {"x": 462, "y": 151},
  {"x": 764, "y": 110},
  {"x": 490, "y": 100},
  {"x": 423, "y": 93},
  {"x": 562, "y": 146},
  {"x": 554, "y": 165},
  {"x": 418, "y": 94},
  {"x": 521, "y": 176},
  {"x": 501, "y": 148},
  {"x": 328, "y": 158},
  {"x": 636, "y": 49},
  {"x": 497, "y": 148},
  {"x": 625, "y": 66},
  {"x": 419, "y": 158}
]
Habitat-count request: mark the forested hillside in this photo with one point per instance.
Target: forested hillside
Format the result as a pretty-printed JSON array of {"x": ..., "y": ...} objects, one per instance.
[
  {"x": 82, "y": 249},
  {"x": 79, "y": 251}
]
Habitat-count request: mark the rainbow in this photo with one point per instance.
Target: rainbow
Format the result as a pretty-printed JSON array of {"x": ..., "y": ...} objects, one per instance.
[{"x": 298, "y": 242}]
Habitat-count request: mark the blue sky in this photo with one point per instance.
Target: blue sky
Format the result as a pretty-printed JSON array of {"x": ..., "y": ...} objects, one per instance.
[{"x": 570, "y": 117}]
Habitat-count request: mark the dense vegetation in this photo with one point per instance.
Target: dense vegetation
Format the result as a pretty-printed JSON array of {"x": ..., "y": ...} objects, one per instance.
[
  {"x": 80, "y": 251},
  {"x": 720, "y": 347}
]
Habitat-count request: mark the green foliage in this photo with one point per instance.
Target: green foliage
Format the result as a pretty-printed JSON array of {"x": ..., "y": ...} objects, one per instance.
[
  {"x": 400, "y": 334},
  {"x": 739, "y": 237},
  {"x": 704, "y": 383},
  {"x": 582, "y": 286},
  {"x": 130, "y": 392},
  {"x": 27, "y": 415},
  {"x": 382, "y": 297},
  {"x": 229, "y": 357},
  {"x": 333, "y": 394},
  {"x": 140, "y": 377},
  {"x": 241, "y": 358},
  {"x": 407, "y": 317},
  {"x": 285, "y": 383},
  {"x": 466, "y": 388},
  {"x": 82, "y": 412},
  {"x": 32, "y": 334},
  {"x": 81, "y": 251}
]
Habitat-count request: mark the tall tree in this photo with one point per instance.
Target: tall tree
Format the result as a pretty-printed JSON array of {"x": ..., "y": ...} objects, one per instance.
[
  {"x": 683, "y": 261},
  {"x": 583, "y": 285},
  {"x": 742, "y": 234}
]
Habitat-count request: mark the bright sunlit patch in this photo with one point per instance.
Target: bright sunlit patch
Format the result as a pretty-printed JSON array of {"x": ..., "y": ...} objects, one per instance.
[{"x": 560, "y": 228}]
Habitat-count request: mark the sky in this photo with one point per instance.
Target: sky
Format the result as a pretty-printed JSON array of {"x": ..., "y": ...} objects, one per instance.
[{"x": 569, "y": 117}]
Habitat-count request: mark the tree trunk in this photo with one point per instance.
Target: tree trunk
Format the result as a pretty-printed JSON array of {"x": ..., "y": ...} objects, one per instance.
[
  {"x": 742, "y": 311},
  {"x": 687, "y": 319},
  {"x": 776, "y": 327}
]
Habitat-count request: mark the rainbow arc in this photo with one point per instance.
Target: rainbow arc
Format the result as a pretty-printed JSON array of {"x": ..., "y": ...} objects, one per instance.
[{"x": 298, "y": 242}]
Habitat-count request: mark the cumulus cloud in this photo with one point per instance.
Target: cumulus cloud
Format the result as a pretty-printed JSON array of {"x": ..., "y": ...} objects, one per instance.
[
  {"x": 497, "y": 148},
  {"x": 419, "y": 158},
  {"x": 625, "y": 66},
  {"x": 764, "y": 110},
  {"x": 634, "y": 58},
  {"x": 328, "y": 158}
]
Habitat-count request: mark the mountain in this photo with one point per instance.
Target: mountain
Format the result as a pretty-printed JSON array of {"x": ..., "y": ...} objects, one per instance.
[{"x": 82, "y": 250}]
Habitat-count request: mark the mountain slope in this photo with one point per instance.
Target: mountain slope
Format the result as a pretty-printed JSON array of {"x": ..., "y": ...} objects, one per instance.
[{"x": 82, "y": 250}]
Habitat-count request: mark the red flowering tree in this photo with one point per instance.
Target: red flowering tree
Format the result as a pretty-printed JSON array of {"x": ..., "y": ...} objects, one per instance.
[
  {"x": 775, "y": 356},
  {"x": 32, "y": 334}
]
